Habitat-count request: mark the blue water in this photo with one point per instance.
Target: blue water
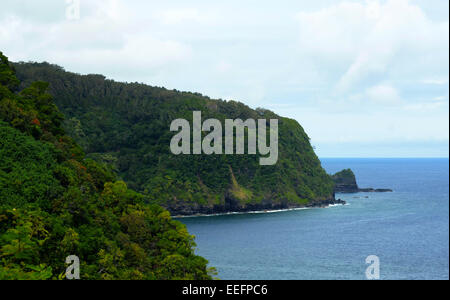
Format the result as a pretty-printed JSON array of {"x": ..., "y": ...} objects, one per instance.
[{"x": 408, "y": 229}]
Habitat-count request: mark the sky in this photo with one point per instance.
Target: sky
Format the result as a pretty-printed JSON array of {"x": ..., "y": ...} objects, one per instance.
[{"x": 364, "y": 78}]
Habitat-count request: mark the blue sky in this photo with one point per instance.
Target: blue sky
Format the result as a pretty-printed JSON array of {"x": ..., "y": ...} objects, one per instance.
[{"x": 364, "y": 78}]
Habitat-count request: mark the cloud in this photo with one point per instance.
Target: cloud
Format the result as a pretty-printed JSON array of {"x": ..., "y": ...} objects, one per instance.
[
  {"x": 102, "y": 40},
  {"x": 179, "y": 16},
  {"x": 384, "y": 94},
  {"x": 374, "y": 39},
  {"x": 435, "y": 81},
  {"x": 440, "y": 98},
  {"x": 223, "y": 67},
  {"x": 425, "y": 106}
]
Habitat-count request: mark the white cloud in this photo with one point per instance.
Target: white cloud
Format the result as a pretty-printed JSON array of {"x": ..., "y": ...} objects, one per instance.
[
  {"x": 425, "y": 106},
  {"x": 383, "y": 94},
  {"x": 223, "y": 67},
  {"x": 440, "y": 98},
  {"x": 101, "y": 41},
  {"x": 436, "y": 81},
  {"x": 374, "y": 38},
  {"x": 179, "y": 16}
]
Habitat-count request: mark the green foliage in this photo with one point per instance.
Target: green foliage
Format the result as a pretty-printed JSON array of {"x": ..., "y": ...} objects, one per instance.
[
  {"x": 345, "y": 181},
  {"x": 8, "y": 80},
  {"x": 54, "y": 202},
  {"x": 26, "y": 170},
  {"x": 127, "y": 125},
  {"x": 22, "y": 235},
  {"x": 346, "y": 177}
]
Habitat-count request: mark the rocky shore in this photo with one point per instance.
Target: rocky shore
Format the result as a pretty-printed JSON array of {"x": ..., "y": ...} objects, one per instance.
[
  {"x": 345, "y": 183},
  {"x": 194, "y": 210}
]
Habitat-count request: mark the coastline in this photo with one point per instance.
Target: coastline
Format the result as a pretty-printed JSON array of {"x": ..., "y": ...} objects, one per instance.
[{"x": 260, "y": 211}]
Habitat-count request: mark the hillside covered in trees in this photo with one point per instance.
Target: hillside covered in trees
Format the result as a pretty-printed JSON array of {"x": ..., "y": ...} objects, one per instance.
[
  {"x": 126, "y": 126},
  {"x": 55, "y": 202}
]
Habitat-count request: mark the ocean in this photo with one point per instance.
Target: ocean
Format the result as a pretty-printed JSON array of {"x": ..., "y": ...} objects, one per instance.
[{"x": 408, "y": 230}]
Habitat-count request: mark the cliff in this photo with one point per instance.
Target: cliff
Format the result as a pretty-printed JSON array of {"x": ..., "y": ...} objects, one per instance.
[{"x": 126, "y": 125}]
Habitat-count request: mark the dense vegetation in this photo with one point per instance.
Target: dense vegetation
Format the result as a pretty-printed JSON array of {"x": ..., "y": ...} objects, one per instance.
[
  {"x": 345, "y": 181},
  {"x": 127, "y": 127},
  {"x": 55, "y": 202}
]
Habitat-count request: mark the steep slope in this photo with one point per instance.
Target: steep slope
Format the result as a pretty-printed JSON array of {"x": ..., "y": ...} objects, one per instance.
[
  {"x": 127, "y": 125},
  {"x": 55, "y": 203}
]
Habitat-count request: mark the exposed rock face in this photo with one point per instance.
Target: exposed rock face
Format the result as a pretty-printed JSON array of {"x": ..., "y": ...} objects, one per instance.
[{"x": 345, "y": 182}]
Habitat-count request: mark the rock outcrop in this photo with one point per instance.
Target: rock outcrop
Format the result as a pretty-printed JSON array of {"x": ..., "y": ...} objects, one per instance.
[{"x": 345, "y": 182}]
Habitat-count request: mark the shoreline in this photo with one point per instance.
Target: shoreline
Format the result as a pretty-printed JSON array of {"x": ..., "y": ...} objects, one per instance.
[{"x": 258, "y": 211}]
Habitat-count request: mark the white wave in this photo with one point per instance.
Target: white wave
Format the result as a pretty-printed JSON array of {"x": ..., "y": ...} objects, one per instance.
[{"x": 256, "y": 212}]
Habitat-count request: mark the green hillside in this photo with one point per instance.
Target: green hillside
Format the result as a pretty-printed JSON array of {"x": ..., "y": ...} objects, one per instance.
[
  {"x": 54, "y": 202},
  {"x": 127, "y": 126}
]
